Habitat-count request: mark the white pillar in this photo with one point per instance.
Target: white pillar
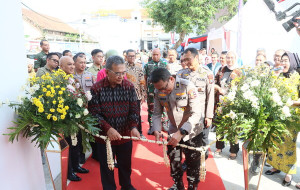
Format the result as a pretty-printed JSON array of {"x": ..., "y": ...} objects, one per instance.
[{"x": 20, "y": 162}]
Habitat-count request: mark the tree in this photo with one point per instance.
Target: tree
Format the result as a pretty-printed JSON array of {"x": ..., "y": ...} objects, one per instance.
[{"x": 187, "y": 16}]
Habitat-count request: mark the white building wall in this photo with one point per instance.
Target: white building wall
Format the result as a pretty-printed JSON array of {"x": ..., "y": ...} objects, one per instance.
[{"x": 20, "y": 162}]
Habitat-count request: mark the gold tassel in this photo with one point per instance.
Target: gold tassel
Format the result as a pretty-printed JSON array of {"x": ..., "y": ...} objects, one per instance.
[
  {"x": 166, "y": 159},
  {"x": 202, "y": 166},
  {"x": 110, "y": 160}
]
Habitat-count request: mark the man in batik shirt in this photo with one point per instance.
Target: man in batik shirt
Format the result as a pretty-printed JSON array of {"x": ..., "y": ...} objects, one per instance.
[{"x": 136, "y": 76}]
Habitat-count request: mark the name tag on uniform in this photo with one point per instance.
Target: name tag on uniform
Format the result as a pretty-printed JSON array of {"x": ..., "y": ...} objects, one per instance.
[
  {"x": 180, "y": 94},
  {"x": 181, "y": 98},
  {"x": 88, "y": 82},
  {"x": 162, "y": 95},
  {"x": 200, "y": 79}
]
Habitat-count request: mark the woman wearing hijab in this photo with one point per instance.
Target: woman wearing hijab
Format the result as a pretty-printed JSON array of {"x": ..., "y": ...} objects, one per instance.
[
  {"x": 222, "y": 84},
  {"x": 284, "y": 158}
]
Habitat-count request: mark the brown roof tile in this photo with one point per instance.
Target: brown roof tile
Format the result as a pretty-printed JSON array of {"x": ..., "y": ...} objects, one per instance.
[{"x": 47, "y": 22}]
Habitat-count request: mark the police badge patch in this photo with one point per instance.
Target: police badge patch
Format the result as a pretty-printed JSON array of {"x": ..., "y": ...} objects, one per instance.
[
  {"x": 210, "y": 78},
  {"x": 192, "y": 94}
]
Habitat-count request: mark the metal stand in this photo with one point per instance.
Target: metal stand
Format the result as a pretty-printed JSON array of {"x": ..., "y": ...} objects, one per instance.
[{"x": 246, "y": 154}]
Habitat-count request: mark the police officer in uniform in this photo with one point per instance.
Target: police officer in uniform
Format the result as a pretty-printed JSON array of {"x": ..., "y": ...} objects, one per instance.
[
  {"x": 155, "y": 63},
  {"x": 180, "y": 99},
  {"x": 85, "y": 80},
  {"x": 203, "y": 79}
]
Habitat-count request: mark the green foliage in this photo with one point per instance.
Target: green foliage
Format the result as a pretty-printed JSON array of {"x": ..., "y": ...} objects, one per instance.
[
  {"x": 72, "y": 37},
  {"x": 258, "y": 108},
  {"x": 184, "y": 17},
  {"x": 181, "y": 15},
  {"x": 53, "y": 106},
  {"x": 232, "y": 8}
]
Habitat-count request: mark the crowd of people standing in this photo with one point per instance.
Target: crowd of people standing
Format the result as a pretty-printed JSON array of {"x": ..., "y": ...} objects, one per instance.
[{"x": 181, "y": 92}]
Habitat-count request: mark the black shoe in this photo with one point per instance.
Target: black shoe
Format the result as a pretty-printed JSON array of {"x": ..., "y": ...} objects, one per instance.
[
  {"x": 184, "y": 166},
  {"x": 193, "y": 186},
  {"x": 255, "y": 168},
  {"x": 286, "y": 184},
  {"x": 73, "y": 177},
  {"x": 81, "y": 170},
  {"x": 269, "y": 172},
  {"x": 177, "y": 186}
]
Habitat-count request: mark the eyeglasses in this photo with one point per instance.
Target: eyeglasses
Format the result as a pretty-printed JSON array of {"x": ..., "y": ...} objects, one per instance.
[
  {"x": 165, "y": 88},
  {"x": 55, "y": 60},
  {"x": 284, "y": 61},
  {"x": 118, "y": 73}
]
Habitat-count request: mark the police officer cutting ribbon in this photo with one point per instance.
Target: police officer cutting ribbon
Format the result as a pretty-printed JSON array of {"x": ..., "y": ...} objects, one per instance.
[{"x": 180, "y": 99}]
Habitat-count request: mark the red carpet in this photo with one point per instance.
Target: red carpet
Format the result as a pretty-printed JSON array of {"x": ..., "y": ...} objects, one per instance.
[{"x": 148, "y": 169}]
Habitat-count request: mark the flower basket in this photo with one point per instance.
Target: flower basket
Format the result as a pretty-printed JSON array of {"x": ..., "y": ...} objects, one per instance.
[
  {"x": 258, "y": 107},
  {"x": 52, "y": 105}
]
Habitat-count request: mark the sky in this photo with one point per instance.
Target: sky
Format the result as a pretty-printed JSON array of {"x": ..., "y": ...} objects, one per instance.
[{"x": 70, "y": 10}]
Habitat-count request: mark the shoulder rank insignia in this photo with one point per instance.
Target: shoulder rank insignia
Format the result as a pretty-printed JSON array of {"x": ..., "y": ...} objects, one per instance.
[
  {"x": 180, "y": 94},
  {"x": 184, "y": 81}
]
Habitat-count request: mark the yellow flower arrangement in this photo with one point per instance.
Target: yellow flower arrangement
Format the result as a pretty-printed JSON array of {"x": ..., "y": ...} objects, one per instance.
[{"x": 52, "y": 106}]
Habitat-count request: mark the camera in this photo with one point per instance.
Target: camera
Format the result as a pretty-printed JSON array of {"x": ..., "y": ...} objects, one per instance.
[{"x": 289, "y": 25}]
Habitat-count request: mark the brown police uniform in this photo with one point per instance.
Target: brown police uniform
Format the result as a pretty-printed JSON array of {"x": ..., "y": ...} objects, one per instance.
[
  {"x": 183, "y": 110},
  {"x": 203, "y": 79},
  {"x": 86, "y": 80}
]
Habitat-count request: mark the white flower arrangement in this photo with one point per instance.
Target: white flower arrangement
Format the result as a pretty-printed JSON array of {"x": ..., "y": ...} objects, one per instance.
[
  {"x": 258, "y": 107},
  {"x": 79, "y": 102},
  {"x": 88, "y": 95},
  {"x": 85, "y": 112}
]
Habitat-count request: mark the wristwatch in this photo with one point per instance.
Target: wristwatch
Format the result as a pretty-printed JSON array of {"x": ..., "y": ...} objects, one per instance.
[{"x": 183, "y": 131}]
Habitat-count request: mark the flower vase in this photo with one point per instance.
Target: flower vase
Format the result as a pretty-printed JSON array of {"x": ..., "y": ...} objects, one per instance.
[{"x": 252, "y": 170}]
